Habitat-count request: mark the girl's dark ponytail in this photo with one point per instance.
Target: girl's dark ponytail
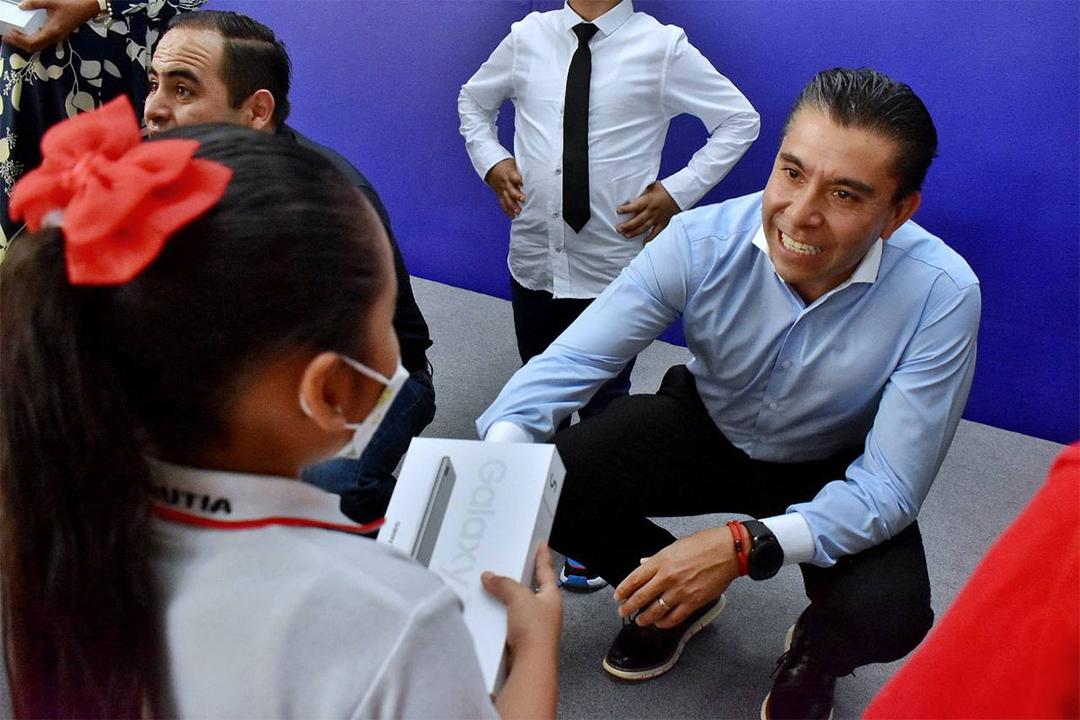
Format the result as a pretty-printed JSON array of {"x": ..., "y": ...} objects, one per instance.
[
  {"x": 78, "y": 620},
  {"x": 95, "y": 379}
]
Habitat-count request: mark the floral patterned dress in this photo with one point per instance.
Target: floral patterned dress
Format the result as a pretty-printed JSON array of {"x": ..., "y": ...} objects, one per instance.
[{"x": 97, "y": 62}]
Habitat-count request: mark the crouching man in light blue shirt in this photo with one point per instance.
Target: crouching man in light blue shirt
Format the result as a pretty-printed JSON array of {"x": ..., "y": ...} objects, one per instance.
[{"x": 833, "y": 344}]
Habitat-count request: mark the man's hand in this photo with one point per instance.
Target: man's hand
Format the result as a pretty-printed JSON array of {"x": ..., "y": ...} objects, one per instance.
[
  {"x": 64, "y": 17},
  {"x": 653, "y": 209},
  {"x": 688, "y": 574},
  {"x": 506, "y": 181}
]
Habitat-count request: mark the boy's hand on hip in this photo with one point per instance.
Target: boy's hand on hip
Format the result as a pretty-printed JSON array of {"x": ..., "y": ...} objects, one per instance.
[
  {"x": 652, "y": 210},
  {"x": 506, "y": 181}
]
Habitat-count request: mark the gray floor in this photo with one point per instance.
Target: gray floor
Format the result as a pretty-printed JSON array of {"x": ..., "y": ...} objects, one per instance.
[{"x": 988, "y": 475}]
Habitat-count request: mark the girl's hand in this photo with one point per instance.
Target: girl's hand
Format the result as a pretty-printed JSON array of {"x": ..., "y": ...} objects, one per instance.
[{"x": 534, "y": 619}]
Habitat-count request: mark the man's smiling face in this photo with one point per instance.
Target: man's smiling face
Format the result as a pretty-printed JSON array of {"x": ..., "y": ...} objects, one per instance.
[{"x": 830, "y": 196}]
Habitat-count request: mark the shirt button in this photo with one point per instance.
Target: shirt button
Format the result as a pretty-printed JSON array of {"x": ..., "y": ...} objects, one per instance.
[
  {"x": 558, "y": 249},
  {"x": 554, "y": 214},
  {"x": 786, "y": 364},
  {"x": 558, "y": 171},
  {"x": 774, "y": 406}
]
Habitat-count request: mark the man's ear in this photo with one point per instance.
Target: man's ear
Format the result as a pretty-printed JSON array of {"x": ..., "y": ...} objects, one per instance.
[
  {"x": 902, "y": 212},
  {"x": 259, "y": 110},
  {"x": 323, "y": 390}
]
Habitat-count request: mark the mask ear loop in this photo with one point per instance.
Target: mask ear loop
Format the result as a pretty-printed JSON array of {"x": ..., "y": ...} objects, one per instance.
[
  {"x": 304, "y": 408},
  {"x": 363, "y": 370}
]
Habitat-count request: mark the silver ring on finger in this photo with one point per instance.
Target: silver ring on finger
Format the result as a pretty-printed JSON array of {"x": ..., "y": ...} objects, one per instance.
[{"x": 661, "y": 603}]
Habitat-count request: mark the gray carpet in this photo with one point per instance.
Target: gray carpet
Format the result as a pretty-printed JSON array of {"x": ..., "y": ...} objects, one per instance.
[{"x": 988, "y": 476}]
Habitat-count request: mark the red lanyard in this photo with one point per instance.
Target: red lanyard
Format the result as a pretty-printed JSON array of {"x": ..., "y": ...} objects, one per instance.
[{"x": 178, "y": 516}]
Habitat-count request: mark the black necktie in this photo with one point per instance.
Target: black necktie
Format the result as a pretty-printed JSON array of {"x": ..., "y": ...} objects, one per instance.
[{"x": 575, "y": 187}]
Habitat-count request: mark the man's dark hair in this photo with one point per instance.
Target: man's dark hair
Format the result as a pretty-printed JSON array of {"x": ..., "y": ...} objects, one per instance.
[
  {"x": 254, "y": 58},
  {"x": 870, "y": 100}
]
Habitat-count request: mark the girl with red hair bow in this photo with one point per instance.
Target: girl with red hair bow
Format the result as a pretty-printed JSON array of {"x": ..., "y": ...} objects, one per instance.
[{"x": 192, "y": 321}]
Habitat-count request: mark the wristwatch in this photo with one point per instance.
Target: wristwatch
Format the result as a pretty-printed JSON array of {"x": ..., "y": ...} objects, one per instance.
[{"x": 766, "y": 555}]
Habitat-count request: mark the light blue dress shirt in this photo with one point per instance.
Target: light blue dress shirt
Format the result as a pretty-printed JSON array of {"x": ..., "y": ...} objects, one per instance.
[{"x": 884, "y": 361}]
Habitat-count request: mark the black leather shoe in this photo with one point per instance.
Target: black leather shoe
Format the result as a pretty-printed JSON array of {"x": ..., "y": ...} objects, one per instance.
[
  {"x": 801, "y": 689},
  {"x": 640, "y": 653}
]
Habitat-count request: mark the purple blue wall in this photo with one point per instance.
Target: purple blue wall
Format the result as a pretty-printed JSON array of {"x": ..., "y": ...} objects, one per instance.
[{"x": 378, "y": 81}]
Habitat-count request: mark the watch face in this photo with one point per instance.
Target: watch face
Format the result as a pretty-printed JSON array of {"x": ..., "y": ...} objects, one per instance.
[
  {"x": 766, "y": 559},
  {"x": 772, "y": 556}
]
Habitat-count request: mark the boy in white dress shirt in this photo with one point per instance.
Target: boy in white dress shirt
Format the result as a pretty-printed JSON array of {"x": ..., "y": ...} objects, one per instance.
[{"x": 571, "y": 235}]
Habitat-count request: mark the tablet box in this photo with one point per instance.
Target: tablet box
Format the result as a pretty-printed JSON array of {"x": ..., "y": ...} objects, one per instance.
[
  {"x": 461, "y": 507},
  {"x": 26, "y": 21}
]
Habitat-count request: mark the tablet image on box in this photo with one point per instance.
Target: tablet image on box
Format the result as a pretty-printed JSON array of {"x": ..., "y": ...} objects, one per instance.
[{"x": 434, "y": 513}]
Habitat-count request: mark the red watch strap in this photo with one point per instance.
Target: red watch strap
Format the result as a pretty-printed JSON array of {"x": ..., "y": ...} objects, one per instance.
[{"x": 742, "y": 549}]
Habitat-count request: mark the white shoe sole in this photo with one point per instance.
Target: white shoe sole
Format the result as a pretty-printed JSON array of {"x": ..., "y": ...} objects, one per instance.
[
  {"x": 591, "y": 584},
  {"x": 661, "y": 669}
]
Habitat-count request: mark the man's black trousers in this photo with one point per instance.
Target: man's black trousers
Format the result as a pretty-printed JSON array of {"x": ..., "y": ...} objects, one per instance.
[{"x": 662, "y": 456}]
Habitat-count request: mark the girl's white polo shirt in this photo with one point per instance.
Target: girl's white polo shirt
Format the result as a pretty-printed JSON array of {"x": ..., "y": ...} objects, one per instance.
[{"x": 272, "y": 606}]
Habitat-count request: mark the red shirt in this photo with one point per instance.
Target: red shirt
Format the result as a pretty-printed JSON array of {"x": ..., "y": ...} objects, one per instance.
[{"x": 1009, "y": 647}]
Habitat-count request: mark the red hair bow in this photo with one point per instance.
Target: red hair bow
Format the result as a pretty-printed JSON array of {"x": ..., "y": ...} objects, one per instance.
[{"x": 116, "y": 199}]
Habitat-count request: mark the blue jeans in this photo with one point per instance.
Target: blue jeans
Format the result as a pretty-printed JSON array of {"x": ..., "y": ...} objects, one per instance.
[{"x": 365, "y": 485}]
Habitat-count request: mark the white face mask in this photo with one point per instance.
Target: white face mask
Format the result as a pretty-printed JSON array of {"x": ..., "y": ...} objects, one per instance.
[{"x": 365, "y": 429}]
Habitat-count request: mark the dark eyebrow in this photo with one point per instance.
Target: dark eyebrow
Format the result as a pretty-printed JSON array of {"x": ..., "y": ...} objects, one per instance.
[
  {"x": 857, "y": 185},
  {"x": 788, "y": 157},
  {"x": 181, "y": 73}
]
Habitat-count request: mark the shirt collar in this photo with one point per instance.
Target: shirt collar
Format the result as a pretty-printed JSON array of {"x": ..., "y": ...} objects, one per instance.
[
  {"x": 227, "y": 500},
  {"x": 607, "y": 23},
  {"x": 865, "y": 272}
]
